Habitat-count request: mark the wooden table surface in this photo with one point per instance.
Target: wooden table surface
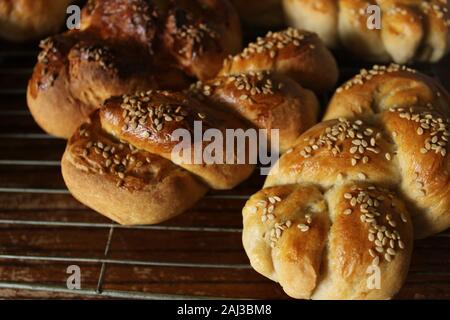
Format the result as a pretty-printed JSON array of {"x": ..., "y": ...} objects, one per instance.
[{"x": 43, "y": 229}]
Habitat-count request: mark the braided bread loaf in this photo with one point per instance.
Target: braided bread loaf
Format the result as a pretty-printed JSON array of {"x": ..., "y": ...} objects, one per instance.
[
  {"x": 22, "y": 20},
  {"x": 126, "y": 151},
  {"x": 126, "y": 46},
  {"x": 346, "y": 196},
  {"x": 410, "y": 30}
]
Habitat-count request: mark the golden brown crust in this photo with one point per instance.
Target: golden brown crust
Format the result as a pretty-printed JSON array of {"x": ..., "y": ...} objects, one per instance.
[
  {"x": 148, "y": 121},
  {"x": 379, "y": 161},
  {"x": 319, "y": 16},
  {"x": 115, "y": 52},
  {"x": 327, "y": 241},
  {"x": 402, "y": 119},
  {"x": 276, "y": 247},
  {"x": 132, "y": 21},
  {"x": 128, "y": 185},
  {"x": 201, "y": 34},
  {"x": 411, "y": 30},
  {"x": 338, "y": 150},
  {"x": 298, "y": 54},
  {"x": 268, "y": 101},
  {"x": 22, "y": 20}
]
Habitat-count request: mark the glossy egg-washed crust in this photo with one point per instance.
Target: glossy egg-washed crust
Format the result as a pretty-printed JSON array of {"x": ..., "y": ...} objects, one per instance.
[
  {"x": 123, "y": 162},
  {"x": 329, "y": 244},
  {"x": 23, "y": 20},
  {"x": 266, "y": 100},
  {"x": 413, "y": 30},
  {"x": 128, "y": 185},
  {"x": 298, "y": 54},
  {"x": 385, "y": 131},
  {"x": 123, "y": 46},
  {"x": 149, "y": 121}
]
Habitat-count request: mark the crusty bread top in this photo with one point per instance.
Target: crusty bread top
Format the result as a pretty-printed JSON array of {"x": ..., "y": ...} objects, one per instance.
[
  {"x": 201, "y": 34},
  {"x": 91, "y": 149},
  {"x": 392, "y": 129},
  {"x": 150, "y": 118},
  {"x": 267, "y": 100},
  {"x": 147, "y": 120},
  {"x": 296, "y": 53},
  {"x": 319, "y": 244},
  {"x": 413, "y": 30}
]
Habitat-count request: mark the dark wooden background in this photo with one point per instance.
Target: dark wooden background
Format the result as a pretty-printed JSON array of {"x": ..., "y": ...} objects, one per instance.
[{"x": 43, "y": 229}]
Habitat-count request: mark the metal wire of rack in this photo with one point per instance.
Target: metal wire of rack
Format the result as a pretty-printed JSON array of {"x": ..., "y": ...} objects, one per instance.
[{"x": 39, "y": 220}]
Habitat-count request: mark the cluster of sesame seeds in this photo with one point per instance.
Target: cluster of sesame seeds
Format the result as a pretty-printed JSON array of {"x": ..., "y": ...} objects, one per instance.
[
  {"x": 117, "y": 159},
  {"x": 266, "y": 207},
  {"x": 385, "y": 237},
  {"x": 248, "y": 84},
  {"x": 277, "y": 231},
  {"x": 100, "y": 54},
  {"x": 197, "y": 34},
  {"x": 138, "y": 110},
  {"x": 48, "y": 52},
  {"x": 201, "y": 89},
  {"x": 397, "y": 10},
  {"x": 420, "y": 186},
  {"x": 363, "y": 141},
  {"x": 272, "y": 42},
  {"x": 253, "y": 83},
  {"x": 305, "y": 226},
  {"x": 142, "y": 10},
  {"x": 436, "y": 127},
  {"x": 440, "y": 10},
  {"x": 366, "y": 75},
  {"x": 48, "y": 46},
  {"x": 358, "y": 12}
]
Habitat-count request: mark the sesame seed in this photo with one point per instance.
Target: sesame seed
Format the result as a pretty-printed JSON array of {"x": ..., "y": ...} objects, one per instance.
[
  {"x": 419, "y": 131},
  {"x": 303, "y": 227}
]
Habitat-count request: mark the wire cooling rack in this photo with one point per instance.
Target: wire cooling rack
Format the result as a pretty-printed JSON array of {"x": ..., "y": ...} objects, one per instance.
[{"x": 44, "y": 230}]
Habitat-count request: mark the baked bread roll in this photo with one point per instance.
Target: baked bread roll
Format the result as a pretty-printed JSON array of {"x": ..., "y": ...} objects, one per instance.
[
  {"x": 298, "y": 54},
  {"x": 410, "y": 30},
  {"x": 413, "y": 111},
  {"x": 322, "y": 242},
  {"x": 352, "y": 187},
  {"x": 266, "y": 100},
  {"x": 396, "y": 125},
  {"x": 122, "y": 47},
  {"x": 128, "y": 185},
  {"x": 73, "y": 77},
  {"x": 124, "y": 160},
  {"x": 260, "y": 13},
  {"x": 22, "y": 20}
]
